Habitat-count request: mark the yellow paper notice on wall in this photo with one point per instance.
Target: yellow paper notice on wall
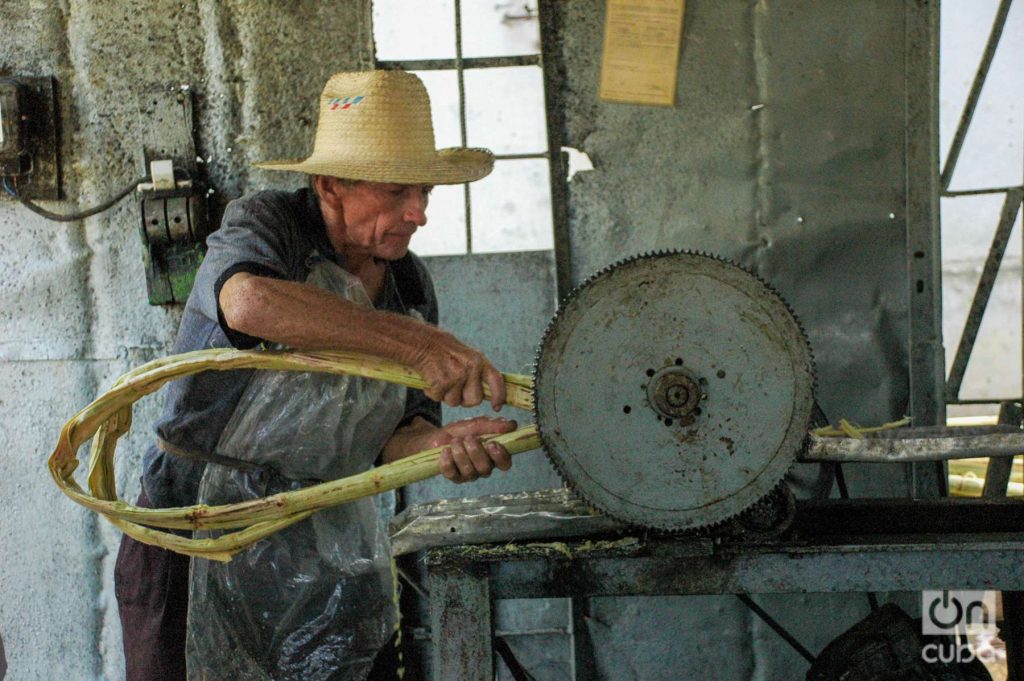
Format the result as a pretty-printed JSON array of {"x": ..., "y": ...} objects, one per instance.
[{"x": 641, "y": 51}]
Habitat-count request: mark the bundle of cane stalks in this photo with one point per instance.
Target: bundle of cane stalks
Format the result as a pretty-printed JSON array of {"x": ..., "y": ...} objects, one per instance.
[{"x": 109, "y": 417}]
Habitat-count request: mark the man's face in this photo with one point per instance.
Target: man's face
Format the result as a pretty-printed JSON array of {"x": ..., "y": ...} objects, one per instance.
[{"x": 380, "y": 219}]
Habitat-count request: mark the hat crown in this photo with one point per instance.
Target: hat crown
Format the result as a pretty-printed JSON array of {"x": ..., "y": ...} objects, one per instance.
[
  {"x": 369, "y": 111},
  {"x": 376, "y": 126}
]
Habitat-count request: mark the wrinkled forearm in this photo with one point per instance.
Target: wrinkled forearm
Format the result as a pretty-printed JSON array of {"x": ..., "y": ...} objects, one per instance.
[
  {"x": 306, "y": 317},
  {"x": 414, "y": 437}
]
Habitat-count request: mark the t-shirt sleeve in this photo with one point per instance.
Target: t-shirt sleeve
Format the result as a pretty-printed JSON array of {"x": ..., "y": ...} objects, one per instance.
[{"x": 254, "y": 237}]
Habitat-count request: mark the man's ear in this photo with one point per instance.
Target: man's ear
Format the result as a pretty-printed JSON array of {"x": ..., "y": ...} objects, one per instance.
[{"x": 329, "y": 189}]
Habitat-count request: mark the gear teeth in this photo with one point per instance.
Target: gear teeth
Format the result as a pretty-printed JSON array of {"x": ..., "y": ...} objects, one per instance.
[
  {"x": 723, "y": 525},
  {"x": 780, "y": 492}
]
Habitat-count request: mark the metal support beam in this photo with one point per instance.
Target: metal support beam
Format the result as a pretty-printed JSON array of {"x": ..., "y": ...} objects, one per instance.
[
  {"x": 776, "y": 627},
  {"x": 460, "y": 625},
  {"x": 932, "y": 443},
  {"x": 834, "y": 521},
  {"x": 924, "y": 262},
  {"x": 997, "y": 473},
  {"x": 467, "y": 63},
  {"x": 835, "y": 547},
  {"x": 679, "y": 568},
  {"x": 551, "y": 22},
  {"x": 583, "y": 658}
]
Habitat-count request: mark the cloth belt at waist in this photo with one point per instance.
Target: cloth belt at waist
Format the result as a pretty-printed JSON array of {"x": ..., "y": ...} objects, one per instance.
[{"x": 230, "y": 462}]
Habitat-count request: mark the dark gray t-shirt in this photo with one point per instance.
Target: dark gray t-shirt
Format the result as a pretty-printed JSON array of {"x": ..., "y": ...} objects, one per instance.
[{"x": 269, "y": 233}]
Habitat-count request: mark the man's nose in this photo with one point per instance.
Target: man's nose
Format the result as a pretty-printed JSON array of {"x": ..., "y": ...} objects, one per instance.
[{"x": 416, "y": 209}]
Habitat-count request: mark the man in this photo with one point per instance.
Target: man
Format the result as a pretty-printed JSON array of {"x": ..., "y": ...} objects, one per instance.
[{"x": 372, "y": 168}]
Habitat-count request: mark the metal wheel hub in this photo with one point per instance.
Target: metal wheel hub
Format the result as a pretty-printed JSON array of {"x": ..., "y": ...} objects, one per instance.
[{"x": 674, "y": 394}]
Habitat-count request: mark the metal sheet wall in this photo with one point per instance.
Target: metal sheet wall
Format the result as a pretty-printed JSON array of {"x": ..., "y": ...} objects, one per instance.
[{"x": 788, "y": 150}]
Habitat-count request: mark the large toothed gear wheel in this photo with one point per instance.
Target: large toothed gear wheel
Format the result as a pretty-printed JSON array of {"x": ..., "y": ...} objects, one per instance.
[{"x": 674, "y": 390}]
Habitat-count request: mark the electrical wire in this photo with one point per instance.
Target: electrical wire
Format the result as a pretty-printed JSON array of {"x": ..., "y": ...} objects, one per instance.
[{"x": 72, "y": 217}]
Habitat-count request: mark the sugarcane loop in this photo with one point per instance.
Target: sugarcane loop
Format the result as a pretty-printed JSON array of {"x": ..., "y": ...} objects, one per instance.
[{"x": 109, "y": 417}]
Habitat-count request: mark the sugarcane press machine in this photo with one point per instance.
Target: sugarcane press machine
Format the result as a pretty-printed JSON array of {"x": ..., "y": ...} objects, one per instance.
[{"x": 675, "y": 394}]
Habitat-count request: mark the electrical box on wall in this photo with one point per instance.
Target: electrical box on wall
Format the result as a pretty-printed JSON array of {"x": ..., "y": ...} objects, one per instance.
[
  {"x": 173, "y": 205},
  {"x": 13, "y": 157},
  {"x": 28, "y": 136}
]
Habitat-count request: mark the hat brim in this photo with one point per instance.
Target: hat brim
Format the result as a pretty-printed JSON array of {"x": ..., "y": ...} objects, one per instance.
[{"x": 455, "y": 165}]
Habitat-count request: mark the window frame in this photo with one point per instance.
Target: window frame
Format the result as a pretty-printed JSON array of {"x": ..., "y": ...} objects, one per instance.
[{"x": 459, "y": 65}]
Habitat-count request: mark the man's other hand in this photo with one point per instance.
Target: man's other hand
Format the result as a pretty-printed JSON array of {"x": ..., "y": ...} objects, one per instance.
[{"x": 465, "y": 457}]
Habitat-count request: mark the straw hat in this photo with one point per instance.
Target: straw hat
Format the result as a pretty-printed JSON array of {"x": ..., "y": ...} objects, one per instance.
[{"x": 375, "y": 125}]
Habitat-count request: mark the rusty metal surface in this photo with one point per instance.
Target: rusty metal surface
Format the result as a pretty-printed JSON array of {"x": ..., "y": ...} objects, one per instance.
[
  {"x": 673, "y": 390},
  {"x": 787, "y": 152},
  {"x": 460, "y": 619},
  {"x": 905, "y": 445},
  {"x": 905, "y": 564}
]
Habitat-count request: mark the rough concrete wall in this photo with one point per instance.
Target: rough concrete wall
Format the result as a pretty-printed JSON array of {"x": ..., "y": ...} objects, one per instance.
[
  {"x": 786, "y": 152},
  {"x": 73, "y": 310}
]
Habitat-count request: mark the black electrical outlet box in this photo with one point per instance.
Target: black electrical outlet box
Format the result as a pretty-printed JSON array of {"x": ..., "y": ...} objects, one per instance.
[
  {"x": 14, "y": 158},
  {"x": 28, "y": 137}
]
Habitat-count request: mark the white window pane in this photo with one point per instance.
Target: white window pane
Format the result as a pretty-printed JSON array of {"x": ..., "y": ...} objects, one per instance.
[
  {"x": 968, "y": 225},
  {"x": 414, "y": 29},
  {"x": 994, "y": 369},
  {"x": 498, "y": 28},
  {"x": 991, "y": 155},
  {"x": 505, "y": 109},
  {"x": 512, "y": 208},
  {"x": 443, "y": 88},
  {"x": 445, "y": 231}
]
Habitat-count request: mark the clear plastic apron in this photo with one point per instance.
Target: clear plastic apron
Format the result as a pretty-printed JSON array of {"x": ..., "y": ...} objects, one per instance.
[{"x": 315, "y": 601}]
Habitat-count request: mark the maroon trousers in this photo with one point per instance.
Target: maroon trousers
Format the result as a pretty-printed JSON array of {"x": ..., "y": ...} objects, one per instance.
[{"x": 151, "y": 585}]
